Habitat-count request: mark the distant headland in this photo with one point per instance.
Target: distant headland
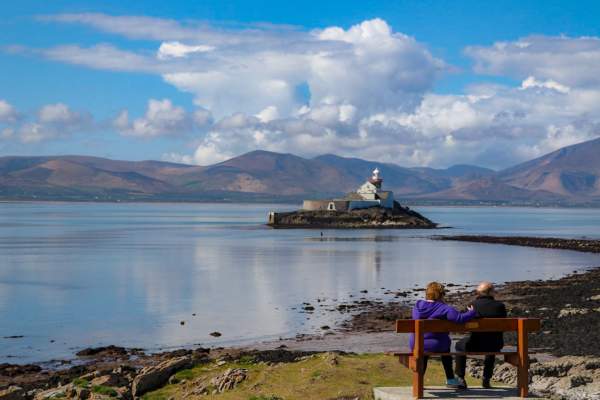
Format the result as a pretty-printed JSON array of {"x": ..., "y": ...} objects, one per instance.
[{"x": 368, "y": 207}]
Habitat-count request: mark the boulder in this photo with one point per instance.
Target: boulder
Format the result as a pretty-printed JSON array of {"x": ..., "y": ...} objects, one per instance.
[
  {"x": 124, "y": 392},
  {"x": 104, "y": 351},
  {"x": 566, "y": 312},
  {"x": 12, "y": 370},
  {"x": 12, "y": 393},
  {"x": 503, "y": 372},
  {"x": 55, "y": 393},
  {"x": 229, "y": 379},
  {"x": 113, "y": 380},
  {"x": 151, "y": 378},
  {"x": 77, "y": 392},
  {"x": 221, "y": 383},
  {"x": 572, "y": 378}
]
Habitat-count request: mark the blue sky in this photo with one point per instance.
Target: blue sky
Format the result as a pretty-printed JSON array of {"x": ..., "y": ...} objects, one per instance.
[{"x": 442, "y": 90}]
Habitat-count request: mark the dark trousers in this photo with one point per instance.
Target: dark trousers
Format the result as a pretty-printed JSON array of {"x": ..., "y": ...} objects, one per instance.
[
  {"x": 446, "y": 362},
  {"x": 461, "y": 361}
]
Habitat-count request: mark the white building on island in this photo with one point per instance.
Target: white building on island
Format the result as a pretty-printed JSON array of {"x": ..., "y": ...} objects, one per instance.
[{"x": 367, "y": 196}]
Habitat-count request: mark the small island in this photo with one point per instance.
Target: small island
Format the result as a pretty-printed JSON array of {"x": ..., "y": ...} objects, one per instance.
[{"x": 369, "y": 207}]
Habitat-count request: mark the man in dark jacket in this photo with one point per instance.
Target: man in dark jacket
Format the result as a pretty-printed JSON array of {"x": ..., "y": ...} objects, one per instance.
[{"x": 486, "y": 307}]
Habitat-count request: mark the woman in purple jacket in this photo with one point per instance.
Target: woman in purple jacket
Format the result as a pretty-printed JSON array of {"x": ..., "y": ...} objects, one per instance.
[{"x": 435, "y": 308}]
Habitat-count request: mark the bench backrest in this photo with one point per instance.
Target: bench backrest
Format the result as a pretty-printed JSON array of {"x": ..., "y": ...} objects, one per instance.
[{"x": 476, "y": 325}]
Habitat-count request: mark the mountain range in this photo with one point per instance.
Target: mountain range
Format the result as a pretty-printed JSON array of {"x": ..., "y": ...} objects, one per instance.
[{"x": 567, "y": 177}]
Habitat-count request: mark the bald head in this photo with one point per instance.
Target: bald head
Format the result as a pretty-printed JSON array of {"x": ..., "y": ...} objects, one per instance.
[{"x": 485, "y": 289}]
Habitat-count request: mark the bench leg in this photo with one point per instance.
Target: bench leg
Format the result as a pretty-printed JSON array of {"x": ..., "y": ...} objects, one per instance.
[
  {"x": 419, "y": 360},
  {"x": 418, "y": 378},
  {"x": 523, "y": 367},
  {"x": 405, "y": 360}
]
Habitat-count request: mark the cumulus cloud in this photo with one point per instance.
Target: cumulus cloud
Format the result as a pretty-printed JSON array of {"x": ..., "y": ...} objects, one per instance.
[
  {"x": 568, "y": 61},
  {"x": 60, "y": 114},
  {"x": 7, "y": 112},
  {"x": 51, "y": 121},
  {"x": 162, "y": 118},
  {"x": 363, "y": 91},
  {"x": 493, "y": 126},
  {"x": 367, "y": 66}
]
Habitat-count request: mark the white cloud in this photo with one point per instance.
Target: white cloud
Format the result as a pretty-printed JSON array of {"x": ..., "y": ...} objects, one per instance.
[
  {"x": 531, "y": 82},
  {"x": 361, "y": 91},
  {"x": 178, "y": 158},
  {"x": 378, "y": 69},
  {"x": 179, "y": 50},
  {"x": 367, "y": 66},
  {"x": 103, "y": 56},
  {"x": 7, "y": 112},
  {"x": 34, "y": 133},
  {"x": 202, "y": 117},
  {"x": 162, "y": 29},
  {"x": 495, "y": 126},
  {"x": 568, "y": 61},
  {"x": 268, "y": 114},
  {"x": 209, "y": 153},
  {"x": 131, "y": 26},
  {"x": 161, "y": 118},
  {"x": 51, "y": 121},
  {"x": 59, "y": 113}
]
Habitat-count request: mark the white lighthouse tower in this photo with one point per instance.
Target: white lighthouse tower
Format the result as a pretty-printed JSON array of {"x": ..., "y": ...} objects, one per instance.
[{"x": 368, "y": 195}]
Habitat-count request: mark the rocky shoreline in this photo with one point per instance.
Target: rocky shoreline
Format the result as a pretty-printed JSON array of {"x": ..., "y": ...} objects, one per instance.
[
  {"x": 585, "y": 245},
  {"x": 569, "y": 308}
]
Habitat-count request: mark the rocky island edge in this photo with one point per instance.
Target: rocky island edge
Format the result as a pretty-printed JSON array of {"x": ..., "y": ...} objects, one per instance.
[{"x": 398, "y": 217}]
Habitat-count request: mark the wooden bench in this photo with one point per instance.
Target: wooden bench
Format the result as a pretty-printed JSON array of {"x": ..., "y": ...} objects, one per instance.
[{"x": 520, "y": 358}]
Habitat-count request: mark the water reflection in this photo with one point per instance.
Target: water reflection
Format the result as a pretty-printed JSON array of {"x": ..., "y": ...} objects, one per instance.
[{"x": 87, "y": 274}]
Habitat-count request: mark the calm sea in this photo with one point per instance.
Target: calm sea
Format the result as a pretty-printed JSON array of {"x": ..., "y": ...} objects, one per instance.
[{"x": 78, "y": 275}]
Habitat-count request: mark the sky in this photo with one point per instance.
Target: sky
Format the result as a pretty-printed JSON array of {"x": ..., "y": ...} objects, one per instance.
[{"x": 417, "y": 83}]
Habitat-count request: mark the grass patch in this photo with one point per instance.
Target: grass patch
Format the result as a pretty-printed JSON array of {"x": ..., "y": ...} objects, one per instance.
[
  {"x": 246, "y": 360},
  {"x": 312, "y": 378},
  {"x": 156, "y": 396},
  {"x": 82, "y": 383},
  {"x": 105, "y": 390}
]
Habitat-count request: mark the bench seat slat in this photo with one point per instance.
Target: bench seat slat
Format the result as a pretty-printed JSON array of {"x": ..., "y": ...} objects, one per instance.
[
  {"x": 476, "y": 325},
  {"x": 461, "y": 353}
]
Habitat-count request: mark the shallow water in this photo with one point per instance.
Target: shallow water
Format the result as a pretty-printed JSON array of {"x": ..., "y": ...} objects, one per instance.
[{"x": 77, "y": 275}]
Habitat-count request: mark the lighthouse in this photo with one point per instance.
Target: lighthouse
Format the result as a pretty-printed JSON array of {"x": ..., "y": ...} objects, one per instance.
[
  {"x": 368, "y": 195},
  {"x": 376, "y": 180}
]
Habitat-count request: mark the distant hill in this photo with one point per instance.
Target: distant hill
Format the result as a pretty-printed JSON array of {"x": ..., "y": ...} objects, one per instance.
[
  {"x": 405, "y": 181},
  {"x": 272, "y": 173},
  {"x": 572, "y": 171},
  {"x": 569, "y": 176}
]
